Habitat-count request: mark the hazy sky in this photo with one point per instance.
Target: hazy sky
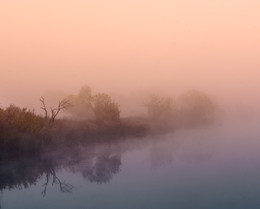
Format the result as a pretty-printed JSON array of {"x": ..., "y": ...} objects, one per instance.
[{"x": 129, "y": 46}]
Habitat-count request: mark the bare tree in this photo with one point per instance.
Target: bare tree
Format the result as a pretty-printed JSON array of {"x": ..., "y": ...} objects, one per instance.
[
  {"x": 63, "y": 104},
  {"x": 44, "y": 107}
]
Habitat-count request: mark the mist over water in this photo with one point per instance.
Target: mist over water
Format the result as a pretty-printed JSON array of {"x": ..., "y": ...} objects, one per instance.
[
  {"x": 161, "y": 104},
  {"x": 214, "y": 167}
]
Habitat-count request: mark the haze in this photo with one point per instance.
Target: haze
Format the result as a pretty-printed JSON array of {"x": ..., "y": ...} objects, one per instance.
[{"x": 124, "y": 47}]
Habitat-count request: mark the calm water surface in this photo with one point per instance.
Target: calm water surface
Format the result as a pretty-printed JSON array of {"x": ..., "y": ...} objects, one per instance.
[{"x": 204, "y": 168}]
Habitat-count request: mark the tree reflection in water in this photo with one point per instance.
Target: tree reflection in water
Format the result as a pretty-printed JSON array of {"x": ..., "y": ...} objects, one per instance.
[
  {"x": 64, "y": 187},
  {"x": 95, "y": 166},
  {"x": 102, "y": 169},
  {"x": 99, "y": 162}
]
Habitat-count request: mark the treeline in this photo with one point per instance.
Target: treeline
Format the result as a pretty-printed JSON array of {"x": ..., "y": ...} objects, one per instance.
[
  {"x": 192, "y": 109},
  {"x": 94, "y": 118}
]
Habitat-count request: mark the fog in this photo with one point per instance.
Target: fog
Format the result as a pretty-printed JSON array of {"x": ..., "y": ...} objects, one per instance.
[
  {"x": 202, "y": 167},
  {"x": 130, "y": 49}
]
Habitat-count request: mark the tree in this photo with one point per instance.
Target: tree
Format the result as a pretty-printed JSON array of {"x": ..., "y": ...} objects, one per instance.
[
  {"x": 100, "y": 106},
  {"x": 161, "y": 110},
  {"x": 81, "y": 107},
  {"x": 104, "y": 108},
  {"x": 62, "y": 105},
  {"x": 197, "y": 107},
  {"x": 42, "y": 100}
]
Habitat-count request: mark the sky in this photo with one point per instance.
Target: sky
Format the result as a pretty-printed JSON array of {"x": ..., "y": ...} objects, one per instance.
[{"x": 129, "y": 47}]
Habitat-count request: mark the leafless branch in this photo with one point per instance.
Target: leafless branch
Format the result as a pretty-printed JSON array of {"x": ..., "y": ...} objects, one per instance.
[
  {"x": 45, "y": 185},
  {"x": 44, "y": 107},
  {"x": 64, "y": 187},
  {"x": 63, "y": 104}
]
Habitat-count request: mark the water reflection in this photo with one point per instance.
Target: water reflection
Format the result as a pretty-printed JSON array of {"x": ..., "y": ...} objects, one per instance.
[
  {"x": 102, "y": 169},
  {"x": 94, "y": 166},
  {"x": 161, "y": 156},
  {"x": 99, "y": 163},
  {"x": 192, "y": 149},
  {"x": 52, "y": 178}
]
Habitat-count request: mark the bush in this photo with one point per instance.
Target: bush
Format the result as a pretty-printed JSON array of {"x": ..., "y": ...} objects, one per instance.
[{"x": 22, "y": 119}]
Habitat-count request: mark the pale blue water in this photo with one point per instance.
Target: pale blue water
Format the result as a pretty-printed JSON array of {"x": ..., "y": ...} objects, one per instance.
[{"x": 208, "y": 168}]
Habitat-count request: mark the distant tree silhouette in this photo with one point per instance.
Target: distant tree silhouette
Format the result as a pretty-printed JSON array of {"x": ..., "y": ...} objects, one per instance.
[
  {"x": 197, "y": 107},
  {"x": 105, "y": 109},
  {"x": 161, "y": 111},
  {"x": 81, "y": 104},
  {"x": 100, "y": 106},
  {"x": 159, "y": 107}
]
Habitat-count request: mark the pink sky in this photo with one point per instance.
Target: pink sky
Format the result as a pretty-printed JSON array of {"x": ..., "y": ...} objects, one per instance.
[{"x": 128, "y": 46}]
